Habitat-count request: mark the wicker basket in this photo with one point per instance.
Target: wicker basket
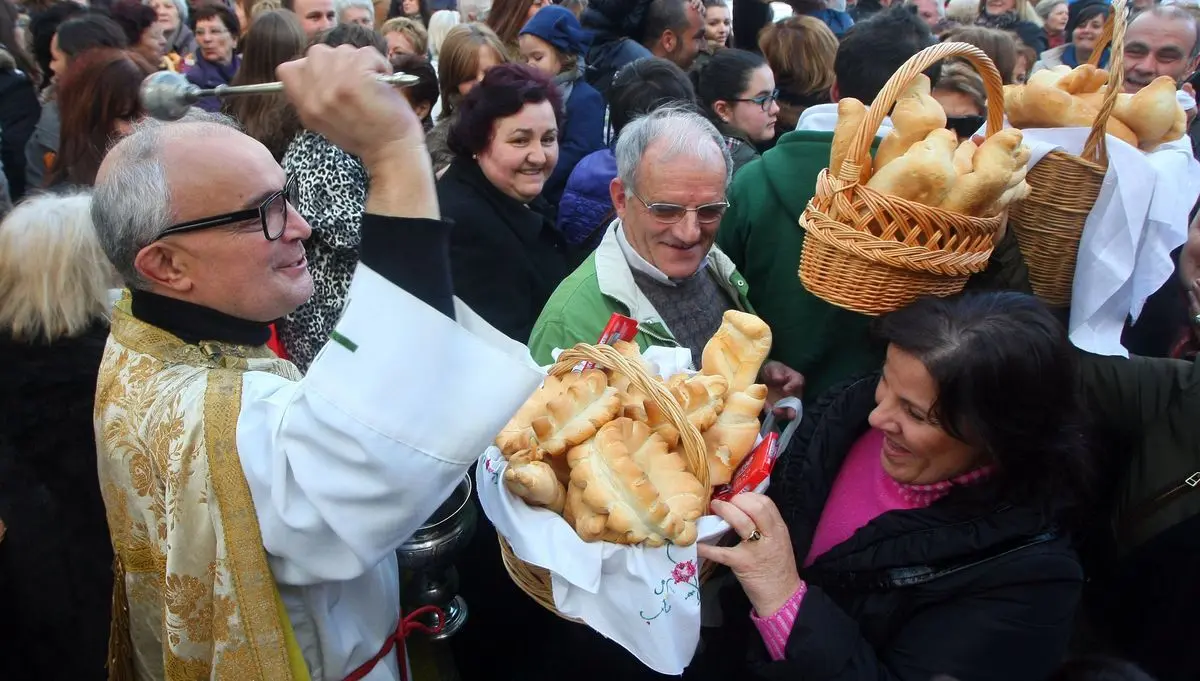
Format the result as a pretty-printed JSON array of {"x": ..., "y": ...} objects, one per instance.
[
  {"x": 1049, "y": 222},
  {"x": 873, "y": 253},
  {"x": 534, "y": 580}
]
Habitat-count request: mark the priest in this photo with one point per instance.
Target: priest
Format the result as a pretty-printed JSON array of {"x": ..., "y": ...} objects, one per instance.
[{"x": 255, "y": 513}]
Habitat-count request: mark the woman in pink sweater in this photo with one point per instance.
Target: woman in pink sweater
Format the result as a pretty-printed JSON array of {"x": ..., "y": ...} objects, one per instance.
[{"x": 918, "y": 524}]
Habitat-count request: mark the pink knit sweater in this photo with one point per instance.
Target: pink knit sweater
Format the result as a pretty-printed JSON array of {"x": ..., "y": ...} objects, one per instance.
[{"x": 861, "y": 492}]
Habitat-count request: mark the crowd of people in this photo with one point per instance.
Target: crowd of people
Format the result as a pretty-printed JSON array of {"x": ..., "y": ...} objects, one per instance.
[{"x": 254, "y": 349}]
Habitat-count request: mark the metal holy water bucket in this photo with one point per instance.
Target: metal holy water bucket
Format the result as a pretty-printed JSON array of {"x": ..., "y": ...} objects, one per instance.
[{"x": 429, "y": 554}]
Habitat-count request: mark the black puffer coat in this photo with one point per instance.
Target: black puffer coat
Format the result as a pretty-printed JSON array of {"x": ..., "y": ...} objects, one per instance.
[
  {"x": 978, "y": 591},
  {"x": 56, "y": 558}
]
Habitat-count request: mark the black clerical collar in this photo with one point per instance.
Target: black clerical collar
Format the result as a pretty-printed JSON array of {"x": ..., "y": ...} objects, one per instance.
[{"x": 194, "y": 323}]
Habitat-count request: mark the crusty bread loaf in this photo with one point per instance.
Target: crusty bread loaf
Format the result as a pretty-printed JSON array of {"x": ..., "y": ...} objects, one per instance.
[
  {"x": 924, "y": 173},
  {"x": 964, "y": 157},
  {"x": 737, "y": 350},
  {"x": 700, "y": 396},
  {"x": 576, "y": 415},
  {"x": 535, "y": 481},
  {"x": 1084, "y": 79},
  {"x": 632, "y": 489},
  {"x": 998, "y": 158},
  {"x": 915, "y": 115},
  {"x": 518, "y": 433},
  {"x": 851, "y": 114},
  {"x": 732, "y": 437},
  {"x": 1151, "y": 113}
]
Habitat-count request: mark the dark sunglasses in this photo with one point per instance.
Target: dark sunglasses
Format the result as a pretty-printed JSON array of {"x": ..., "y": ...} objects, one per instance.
[
  {"x": 271, "y": 213},
  {"x": 965, "y": 126}
]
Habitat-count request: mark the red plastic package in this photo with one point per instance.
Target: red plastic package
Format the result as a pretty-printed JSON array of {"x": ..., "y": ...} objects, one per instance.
[
  {"x": 619, "y": 328},
  {"x": 756, "y": 468}
]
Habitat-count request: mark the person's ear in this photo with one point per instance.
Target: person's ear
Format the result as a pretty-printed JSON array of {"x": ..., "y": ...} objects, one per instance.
[
  {"x": 422, "y": 110},
  {"x": 616, "y": 192},
  {"x": 669, "y": 41},
  {"x": 723, "y": 109},
  {"x": 834, "y": 94},
  {"x": 164, "y": 265}
]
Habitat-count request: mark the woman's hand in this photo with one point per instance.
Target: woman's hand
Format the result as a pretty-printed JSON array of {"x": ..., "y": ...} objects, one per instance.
[{"x": 766, "y": 567}]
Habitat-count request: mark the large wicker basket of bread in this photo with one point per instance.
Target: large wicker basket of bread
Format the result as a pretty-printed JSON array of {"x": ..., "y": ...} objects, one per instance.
[
  {"x": 1049, "y": 223},
  {"x": 627, "y": 457},
  {"x": 922, "y": 216}
]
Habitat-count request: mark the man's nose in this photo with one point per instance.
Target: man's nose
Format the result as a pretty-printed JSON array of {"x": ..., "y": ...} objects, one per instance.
[{"x": 687, "y": 229}]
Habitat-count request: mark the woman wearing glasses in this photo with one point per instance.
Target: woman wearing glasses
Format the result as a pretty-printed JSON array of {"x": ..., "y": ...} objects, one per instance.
[{"x": 737, "y": 91}]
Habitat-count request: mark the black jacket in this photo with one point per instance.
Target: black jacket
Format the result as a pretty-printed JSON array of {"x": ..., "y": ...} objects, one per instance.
[
  {"x": 980, "y": 595},
  {"x": 506, "y": 257},
  {"x": 19, "y": 113},
  {"x": 56, "y": 559}
]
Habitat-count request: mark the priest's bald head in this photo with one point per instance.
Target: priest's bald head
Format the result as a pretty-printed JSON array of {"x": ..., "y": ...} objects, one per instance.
[{"x": 197, "y": 211}]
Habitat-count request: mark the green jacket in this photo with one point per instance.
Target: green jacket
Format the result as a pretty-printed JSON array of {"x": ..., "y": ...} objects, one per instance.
[
  {"x": 761, "y": 233},
  {"x": 1151, "y": 409},
  {"x": 580, "y": 307}
]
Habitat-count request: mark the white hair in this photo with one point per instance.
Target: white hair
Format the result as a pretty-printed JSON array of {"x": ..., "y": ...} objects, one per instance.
[
  {"x": 131, "y": 199},
  {"x": 54, "y": 278},
  {"x": 937, "y": 5},
  {"x": 439, "y": 25},
  {"x": 341, "y": 6},
  {"x": 685, "y": 133}
]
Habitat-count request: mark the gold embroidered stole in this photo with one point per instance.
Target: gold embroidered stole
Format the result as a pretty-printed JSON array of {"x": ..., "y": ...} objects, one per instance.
[{"x": 199, "y": 598}]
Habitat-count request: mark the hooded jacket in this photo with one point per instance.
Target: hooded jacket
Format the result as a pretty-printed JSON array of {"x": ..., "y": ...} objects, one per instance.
[
  {"x": 616, "y": 26},
  {"x": 19, "y": 113}
]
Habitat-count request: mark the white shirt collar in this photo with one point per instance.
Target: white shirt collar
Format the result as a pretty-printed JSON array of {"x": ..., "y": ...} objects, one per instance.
[
  {"x": 640, "y": 264},
  {"x": 823, "y": 118}
]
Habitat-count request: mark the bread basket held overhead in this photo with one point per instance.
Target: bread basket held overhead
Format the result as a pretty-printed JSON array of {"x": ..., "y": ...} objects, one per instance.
[
  {"x": 873, "y": 253},
  {"x": 536, "y": 581},
  {"x": 1048, "y": 224}
]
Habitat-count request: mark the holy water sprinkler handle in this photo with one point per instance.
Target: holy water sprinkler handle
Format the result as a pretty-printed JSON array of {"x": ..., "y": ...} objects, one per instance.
[{"x": 168, "y": 96}]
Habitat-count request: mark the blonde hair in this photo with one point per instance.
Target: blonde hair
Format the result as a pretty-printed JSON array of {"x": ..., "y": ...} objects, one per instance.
[
  {"x": 413, "y": 30},
  {"x": 263, "y": 6},
  {"x": 54, "y": 277},
  {"x": 459, "y": 60},
  {"x": 963, "y": 11},
  {"x": 800, "y": 51}
]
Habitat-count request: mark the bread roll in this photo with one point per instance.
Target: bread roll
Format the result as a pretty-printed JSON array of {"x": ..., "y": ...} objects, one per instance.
[
  {"x": 535, "y": 481},
  {"x": 737, "y": 350},
  {"x": 575, "y": 416},
  {"x": 701, "y": 397},
  {"x": 964, "y": 157},
  {"x": 1083, "y": 79},
  {"x": 1151, "y": 113},
  {"x": 518, "y": 434},
  {"x": 915, "y": 115},
  {"x": 732, "y": 437},
  {"x": 996, "y": 161},
  {"x": 632, "y": 489},
  {"x": 851, "y": 114},
  {"x": 924, "y": 173}
]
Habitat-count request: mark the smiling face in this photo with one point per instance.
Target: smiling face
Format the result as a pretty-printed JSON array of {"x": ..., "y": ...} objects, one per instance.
[
  {"x": 688, "y": 180},
  {"x": 916, "y": 450},
  {"x": 540, "y": 54},
  {"x": 998, "y": 7},
  {"x": 717, "y": 24},
  {"x": 215, "y": 41},
  {"x": 233, "y": 269},
  {"x": 1087, "y": 33},
  {"x": 522, "y": 151},
  {"x": 1158, "y": 46}
]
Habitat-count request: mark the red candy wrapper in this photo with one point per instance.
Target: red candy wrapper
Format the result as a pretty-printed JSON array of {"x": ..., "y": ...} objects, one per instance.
[
  {"x": 619, "y": 328},
  {"x": 756, "y": 468}
]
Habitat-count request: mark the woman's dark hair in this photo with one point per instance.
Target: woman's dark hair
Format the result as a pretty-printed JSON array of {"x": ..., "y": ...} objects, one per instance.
[
  {"x": 273, "y": 38},
  {"x": 999, "y": 46},
  {"x": 351, "y": 34},
  {"x": 11, "y": 41},
  {"x": 643, "y": 86},
  {"x": 724, "y": 77},
  {"x": 80, "y": 34},
  {"x": 504, "y": 90},
  {"x": 214, "y": 10},
  {"x": 99, "y": 89},
  {"x": 42, "y": 27},
  {"x": 134, "y": 18},
  {"x": 1006, "y": 378},
  {"x": 874, "y": 49},
  {"x": 426, "y": 88},
  {"x": 1099, "y": 668}
]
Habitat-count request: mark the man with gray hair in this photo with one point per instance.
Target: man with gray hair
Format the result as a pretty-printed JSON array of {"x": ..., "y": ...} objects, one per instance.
[
  {"x": 361, "y": 12},
  {"x": 657, "y": 262},
  {"x": 255, "y": 514},
  {"x": 1161, "y": 41}
]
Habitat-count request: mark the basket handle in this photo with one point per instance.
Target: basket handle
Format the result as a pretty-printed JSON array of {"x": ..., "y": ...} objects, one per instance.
[
  {"x": 1096, "y": 147},
  {"x": 861, "y": 147}
]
